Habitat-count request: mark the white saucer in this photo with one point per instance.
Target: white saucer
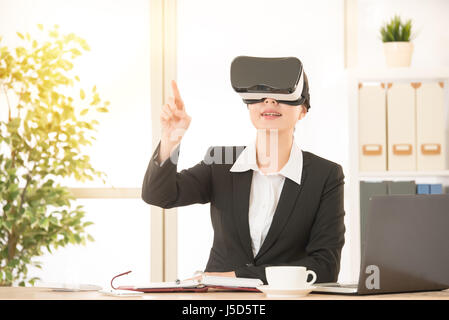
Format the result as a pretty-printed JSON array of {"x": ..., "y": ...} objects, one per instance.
[{"x": 285, "y": 293}]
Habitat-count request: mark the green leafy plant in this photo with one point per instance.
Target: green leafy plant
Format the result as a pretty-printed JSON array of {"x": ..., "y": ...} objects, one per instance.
[
  {"x": 396, "y": 30},
  {"x": 42, "y": 141}
]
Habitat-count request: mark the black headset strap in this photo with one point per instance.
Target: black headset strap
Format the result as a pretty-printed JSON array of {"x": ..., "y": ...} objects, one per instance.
[{"x": 298, "y": 102}]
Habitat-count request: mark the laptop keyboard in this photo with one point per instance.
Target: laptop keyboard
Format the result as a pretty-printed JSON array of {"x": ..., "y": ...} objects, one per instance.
[{"x": 338, "y": 285}]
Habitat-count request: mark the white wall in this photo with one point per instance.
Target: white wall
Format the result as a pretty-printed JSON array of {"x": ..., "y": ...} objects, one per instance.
[
  {"x": 210, "y": 35},
  {"x": 430, "y": 24},
  {"x": 310, "y": 30}
]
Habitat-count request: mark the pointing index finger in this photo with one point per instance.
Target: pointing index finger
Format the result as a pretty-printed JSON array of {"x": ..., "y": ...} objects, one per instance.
[{"x": 177, "y": 95}]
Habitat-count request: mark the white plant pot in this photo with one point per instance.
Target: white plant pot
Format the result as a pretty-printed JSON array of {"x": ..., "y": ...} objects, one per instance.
[{"x": 398, "y": 54}]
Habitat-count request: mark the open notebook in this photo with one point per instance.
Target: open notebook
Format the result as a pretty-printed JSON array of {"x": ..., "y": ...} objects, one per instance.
[{"x": 205, "y": 283}]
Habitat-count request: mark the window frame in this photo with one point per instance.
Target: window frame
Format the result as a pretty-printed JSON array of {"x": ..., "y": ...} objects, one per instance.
[{"x": 163, "y": 69}]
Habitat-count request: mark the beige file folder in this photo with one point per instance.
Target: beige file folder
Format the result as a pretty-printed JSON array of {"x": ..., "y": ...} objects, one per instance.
[
  {"x": 401, "y": 124},
  {"x": 431, "y": 148},
  {"x": 372, "y": 128}
]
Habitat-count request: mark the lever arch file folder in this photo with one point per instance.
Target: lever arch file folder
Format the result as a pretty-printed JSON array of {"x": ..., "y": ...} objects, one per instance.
[
  {"x": 436, "y": 188},
  {"x": 430, "y": 117},
  {"x": 372, "y": 128},
  {"x": 401, "y": 187},
  {"x": 423, "y": 188},
  {"x": 401, "y": 127}
]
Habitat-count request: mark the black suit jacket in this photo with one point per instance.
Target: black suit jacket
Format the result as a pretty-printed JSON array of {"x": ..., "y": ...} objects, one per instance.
[{"x": 308, "y": 224}]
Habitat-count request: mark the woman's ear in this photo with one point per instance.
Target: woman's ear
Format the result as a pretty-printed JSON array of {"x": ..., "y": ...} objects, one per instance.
[{"x": 303, "y": 112}]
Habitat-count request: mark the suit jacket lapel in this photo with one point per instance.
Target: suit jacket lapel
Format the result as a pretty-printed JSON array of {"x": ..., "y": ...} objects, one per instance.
[
  {"x": 284, "y": 209},
  {"x": 241, "y": 190}
]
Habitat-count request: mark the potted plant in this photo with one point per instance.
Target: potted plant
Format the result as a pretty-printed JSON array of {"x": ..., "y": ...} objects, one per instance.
[
  {"x": 43, "y": 135},
  {"x": 396, "y": 38}
]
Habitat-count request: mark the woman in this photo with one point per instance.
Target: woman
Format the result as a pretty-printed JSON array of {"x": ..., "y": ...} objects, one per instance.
[{"x": 271, "y": 202}]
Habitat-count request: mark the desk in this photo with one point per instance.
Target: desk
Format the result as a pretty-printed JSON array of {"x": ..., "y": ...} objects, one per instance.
[{"x": 30, "y": 293}]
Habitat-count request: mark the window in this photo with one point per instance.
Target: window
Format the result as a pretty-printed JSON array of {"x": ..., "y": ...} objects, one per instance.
[{"x": 118, "y": 34}]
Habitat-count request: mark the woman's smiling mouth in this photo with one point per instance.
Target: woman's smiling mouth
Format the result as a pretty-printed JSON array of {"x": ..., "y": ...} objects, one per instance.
[{"x": 270, "y": 114}]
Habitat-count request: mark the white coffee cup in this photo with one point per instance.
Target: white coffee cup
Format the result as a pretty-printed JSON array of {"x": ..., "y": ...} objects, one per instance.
[{"x": 289, "y": 277}]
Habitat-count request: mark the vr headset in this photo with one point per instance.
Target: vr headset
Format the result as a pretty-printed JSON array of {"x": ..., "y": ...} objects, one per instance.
[{"x": 282, "y": 79}]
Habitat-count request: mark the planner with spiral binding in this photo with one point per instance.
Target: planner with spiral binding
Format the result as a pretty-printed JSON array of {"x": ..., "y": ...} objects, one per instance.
[{"x": 201, "y": 284}]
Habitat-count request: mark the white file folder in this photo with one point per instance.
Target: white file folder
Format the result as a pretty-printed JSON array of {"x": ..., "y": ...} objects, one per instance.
[
  {"x": 372, "y": 128},
  {"x": 401, "y": 112},
  {"x": 430, "y": 117}
]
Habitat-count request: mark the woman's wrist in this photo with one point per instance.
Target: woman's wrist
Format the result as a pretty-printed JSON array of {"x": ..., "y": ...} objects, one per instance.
[{"x": 166, "y": 148}]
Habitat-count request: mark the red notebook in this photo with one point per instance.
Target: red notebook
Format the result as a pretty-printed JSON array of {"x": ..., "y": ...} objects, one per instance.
[{"x": 206, "y": 283}]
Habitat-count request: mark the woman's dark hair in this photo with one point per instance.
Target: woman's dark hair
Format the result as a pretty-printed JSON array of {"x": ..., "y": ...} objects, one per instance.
[{"x": 305, "y": 93}]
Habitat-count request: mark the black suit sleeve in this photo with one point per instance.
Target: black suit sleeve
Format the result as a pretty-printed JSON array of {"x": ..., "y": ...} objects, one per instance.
[
  {"x": 326, "y": 237},
  {"x": 164, "y": 187}
]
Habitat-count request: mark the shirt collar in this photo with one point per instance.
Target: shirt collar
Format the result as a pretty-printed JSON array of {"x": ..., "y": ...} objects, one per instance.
[{"x": 292, "y": 169}]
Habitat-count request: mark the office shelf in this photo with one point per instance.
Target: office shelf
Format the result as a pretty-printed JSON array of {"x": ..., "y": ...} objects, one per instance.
[
  {"x": 398, "y": 174},
  {"x": 354, "y": 176}
]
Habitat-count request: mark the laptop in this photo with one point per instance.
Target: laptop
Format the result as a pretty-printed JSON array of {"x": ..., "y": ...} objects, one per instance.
[{"x": 406, "y": 246}]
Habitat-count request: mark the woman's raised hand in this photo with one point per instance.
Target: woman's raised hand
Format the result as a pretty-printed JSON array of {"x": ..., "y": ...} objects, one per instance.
[{"x": 174, "y": 122}]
